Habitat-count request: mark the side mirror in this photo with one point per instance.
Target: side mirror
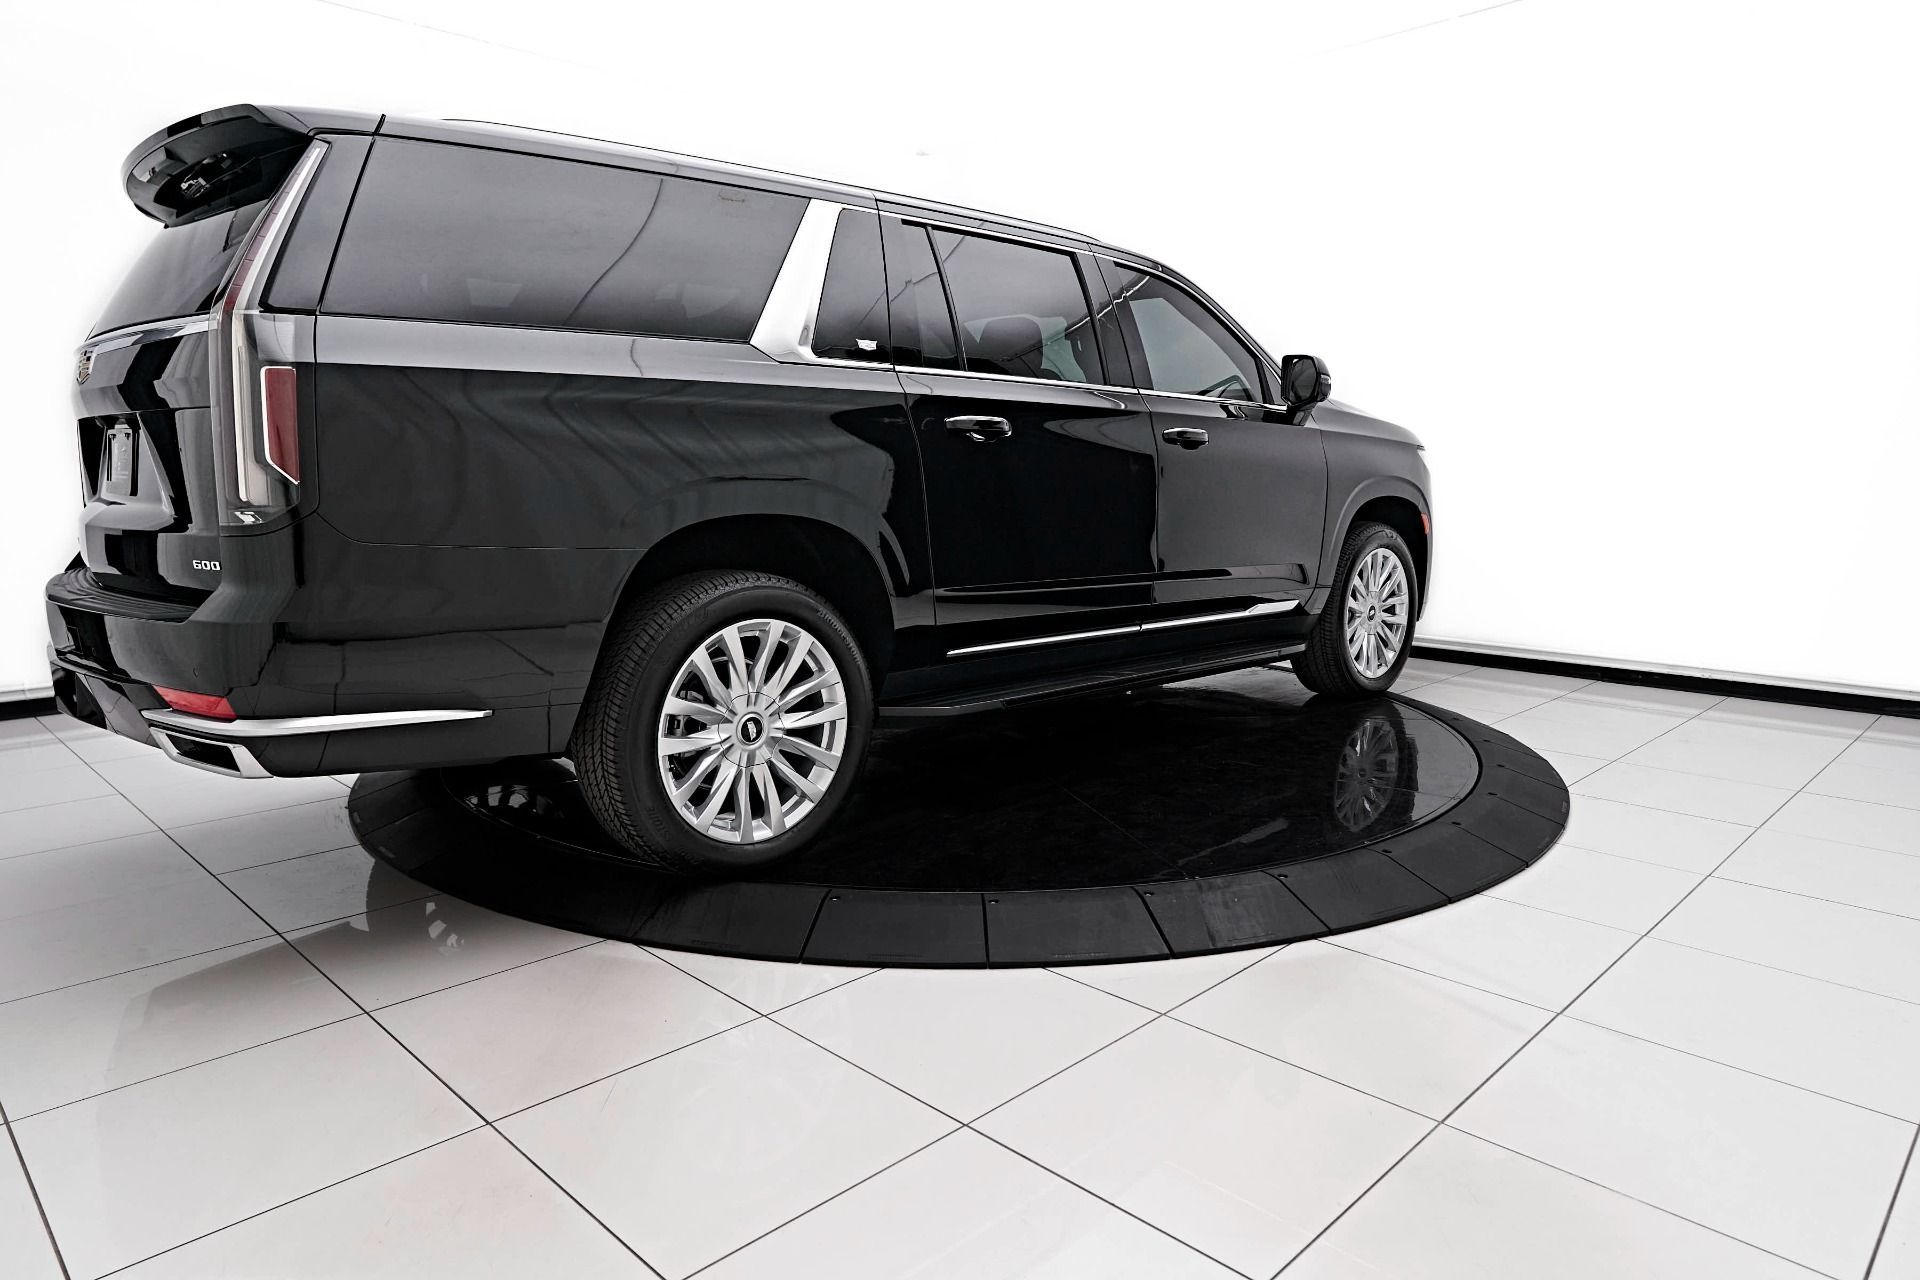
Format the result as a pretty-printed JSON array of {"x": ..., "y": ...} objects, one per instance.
[{"x": 1304, "y": 383}]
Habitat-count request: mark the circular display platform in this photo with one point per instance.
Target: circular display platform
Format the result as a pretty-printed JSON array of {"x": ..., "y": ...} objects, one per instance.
[{"x": 1227, "y": 812}]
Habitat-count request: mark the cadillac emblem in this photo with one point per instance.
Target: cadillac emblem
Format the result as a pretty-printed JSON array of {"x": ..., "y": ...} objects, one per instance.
[{"x": 84, "y": 368}]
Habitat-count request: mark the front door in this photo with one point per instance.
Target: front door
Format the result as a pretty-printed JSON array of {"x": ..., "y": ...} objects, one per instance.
[
  {"x": 1242, "y": 496},
  {"x": 1040, "y": 475}
]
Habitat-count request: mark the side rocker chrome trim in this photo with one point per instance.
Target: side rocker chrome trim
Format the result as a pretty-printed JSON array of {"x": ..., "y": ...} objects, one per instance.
[
  {"x": 286, "y": 726},
  {"x": 1262, "y": 609}
]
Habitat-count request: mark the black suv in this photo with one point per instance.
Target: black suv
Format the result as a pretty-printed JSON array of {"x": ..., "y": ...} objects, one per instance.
[{"x": 413, "y": 443}]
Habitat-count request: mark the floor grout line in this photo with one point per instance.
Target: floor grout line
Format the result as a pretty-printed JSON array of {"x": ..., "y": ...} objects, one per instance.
[
  {"x": 33, "y": 1189},
  {"x": 1893, "y": 1202}
]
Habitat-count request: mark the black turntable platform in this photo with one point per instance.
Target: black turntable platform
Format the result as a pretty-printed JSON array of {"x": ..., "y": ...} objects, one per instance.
[{"x": 1231, "y": 811}]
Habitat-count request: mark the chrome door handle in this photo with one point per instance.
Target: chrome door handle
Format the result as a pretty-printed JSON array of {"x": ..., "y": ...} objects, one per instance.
[
  {"x": 980, "y": 427},
  {"x": 1185, "y": 437}
]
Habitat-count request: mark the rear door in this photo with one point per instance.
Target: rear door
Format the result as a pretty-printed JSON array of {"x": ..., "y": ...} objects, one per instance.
[
  {"x": 1040, "y": 472},
  {"x": 1242, "y": 493}
]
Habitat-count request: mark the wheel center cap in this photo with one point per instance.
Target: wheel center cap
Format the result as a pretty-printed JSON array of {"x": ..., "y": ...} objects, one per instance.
[{"x": 750, "y": 729}]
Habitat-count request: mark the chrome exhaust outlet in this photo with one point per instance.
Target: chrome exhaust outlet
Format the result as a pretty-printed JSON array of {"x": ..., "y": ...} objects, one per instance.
[{"x": 227, "y": 758}]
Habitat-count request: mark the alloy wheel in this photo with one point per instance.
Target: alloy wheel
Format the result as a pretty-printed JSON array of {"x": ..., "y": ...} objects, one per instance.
[
  {"x": 752, "y": 731},
  {"x": 1377, "y": 612}
]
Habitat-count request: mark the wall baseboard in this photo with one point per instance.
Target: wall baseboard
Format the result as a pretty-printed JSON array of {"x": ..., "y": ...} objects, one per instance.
[
  {"x": 1806, "y": 693},
  {"x": 22, "y": 705}
]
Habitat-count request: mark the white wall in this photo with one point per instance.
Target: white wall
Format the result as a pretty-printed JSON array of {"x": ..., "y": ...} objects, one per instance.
[{"x": 1642, "y": 273}]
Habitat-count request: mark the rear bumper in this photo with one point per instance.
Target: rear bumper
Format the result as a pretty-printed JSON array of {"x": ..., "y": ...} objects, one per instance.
[
  {"x": 109, "y": 650},
  {"x": 284, "y": 746}
]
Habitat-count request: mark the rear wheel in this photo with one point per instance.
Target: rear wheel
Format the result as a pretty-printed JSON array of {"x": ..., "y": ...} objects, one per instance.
[
  {"x": 725, "y": 723},
  {"x": 1364, "y": 635}
]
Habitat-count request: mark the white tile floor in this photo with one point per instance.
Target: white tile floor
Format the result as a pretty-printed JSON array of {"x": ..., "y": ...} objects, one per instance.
[{"x": 1685, "y": 1044}]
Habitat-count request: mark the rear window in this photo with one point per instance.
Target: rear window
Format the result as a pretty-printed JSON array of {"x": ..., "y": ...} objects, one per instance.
[
  {"x": 492, "y": 237},
  {"x": 181, "y": 270}
]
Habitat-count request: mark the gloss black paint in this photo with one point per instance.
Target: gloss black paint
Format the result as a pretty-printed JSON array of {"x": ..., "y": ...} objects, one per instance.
[{"x": 478, "y": 499}]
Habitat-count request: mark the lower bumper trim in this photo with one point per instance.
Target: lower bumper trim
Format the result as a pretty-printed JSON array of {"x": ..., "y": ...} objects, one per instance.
[{"x": 208, "y": 728}]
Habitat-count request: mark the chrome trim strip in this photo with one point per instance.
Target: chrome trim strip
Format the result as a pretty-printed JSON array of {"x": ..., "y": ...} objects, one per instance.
[
  {"x": 217, "y": 731},
  {"x": 1011, "y": 377},
  {"x": 1060, "y": 639},
  {"x": 1077, "y": 243},
  {"x": 151, "y": 331},
  {"x": 1263, "y": 609}
]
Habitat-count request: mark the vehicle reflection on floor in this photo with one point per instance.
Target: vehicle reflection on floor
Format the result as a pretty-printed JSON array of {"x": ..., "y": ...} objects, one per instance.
[{"x": 1218, "y": 775}]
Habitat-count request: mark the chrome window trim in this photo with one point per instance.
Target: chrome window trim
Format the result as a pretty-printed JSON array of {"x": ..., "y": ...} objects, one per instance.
[
  {"x": 1262, "y": 609},
  {"x": 1192, "y": 395},
  {"x": 217, "y": 731},
  {"x": 991, "y": 233},
  {"x": 146, "y": 331},
  {"x": 784, "y": 331},
  {"x": 1014, "y": 377}
]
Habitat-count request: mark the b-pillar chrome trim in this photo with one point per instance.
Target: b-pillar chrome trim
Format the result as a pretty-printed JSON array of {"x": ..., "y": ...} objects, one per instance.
[
  {"x": 1262, "y": 609},
  {"x": 212, "y": 730}
]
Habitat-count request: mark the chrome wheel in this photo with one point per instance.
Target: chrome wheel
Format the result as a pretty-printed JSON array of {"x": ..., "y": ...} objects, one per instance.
[
  {"x": 1377, "y": 612},
  {"x": 752, "y": 731}
]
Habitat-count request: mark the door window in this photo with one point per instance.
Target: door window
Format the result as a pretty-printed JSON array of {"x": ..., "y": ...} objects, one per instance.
[
  {"x": 1022, "y": 309},
  {"x": 852, "y": 320},
  {"x": 1185, "y": 346},
  {"x": 922, "y": 325}
]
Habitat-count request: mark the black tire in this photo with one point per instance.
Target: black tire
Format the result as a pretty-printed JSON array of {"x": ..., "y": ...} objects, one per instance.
[
  {"x": 614, "y": 748},
  {"x": 1325, "y": 666}
]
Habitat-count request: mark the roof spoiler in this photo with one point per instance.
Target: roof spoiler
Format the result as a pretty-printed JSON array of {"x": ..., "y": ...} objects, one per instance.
[{"x": 225, "y": 158}]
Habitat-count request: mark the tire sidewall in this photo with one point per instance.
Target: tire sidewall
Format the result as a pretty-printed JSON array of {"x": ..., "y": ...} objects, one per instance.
[
  {"x": 1377, "y": 536},
  {"x": 655, "y": 815}
]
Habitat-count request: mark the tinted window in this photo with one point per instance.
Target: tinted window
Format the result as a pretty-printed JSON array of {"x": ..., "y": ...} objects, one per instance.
[
  {"x": 180, "y": 270},
  {"x": 1022, "y": 310},
  {"x": 922, "y": 325},
  {"x": 852, "y": 322},
  {"x": 491, "y": 237},
  {"x": 1186, "y": 347}
]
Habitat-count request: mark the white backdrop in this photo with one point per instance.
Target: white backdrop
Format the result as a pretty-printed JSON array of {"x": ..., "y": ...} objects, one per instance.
[{"x": 1644, "y": 274}]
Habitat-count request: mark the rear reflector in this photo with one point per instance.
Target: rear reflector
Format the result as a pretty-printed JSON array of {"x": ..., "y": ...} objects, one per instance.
[
  {"x": 280, "y": 413},
  {"x": 212, "y": 705},
  {"x": 1426, "y": 524}
]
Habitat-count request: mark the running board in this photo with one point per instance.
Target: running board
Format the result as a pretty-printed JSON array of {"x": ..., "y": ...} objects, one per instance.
[{"x": 1133, "y": 674}]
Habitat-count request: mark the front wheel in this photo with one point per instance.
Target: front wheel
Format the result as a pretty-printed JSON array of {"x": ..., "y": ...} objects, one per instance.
[
  {"x": 725, "y": 724},
  {"x": 1364, "y": 635}
]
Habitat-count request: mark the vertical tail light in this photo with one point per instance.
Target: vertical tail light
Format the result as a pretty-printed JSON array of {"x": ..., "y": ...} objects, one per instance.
[
  {"x": 256, "y": 402},
  {"x": 280, "y": 419}
]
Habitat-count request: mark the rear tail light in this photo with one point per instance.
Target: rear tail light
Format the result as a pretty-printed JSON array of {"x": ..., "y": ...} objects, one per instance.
[
  {"x": 280, "y": 419},
  {"x": 212, "y": 705},
  {"x": 256, "y": 406}
]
